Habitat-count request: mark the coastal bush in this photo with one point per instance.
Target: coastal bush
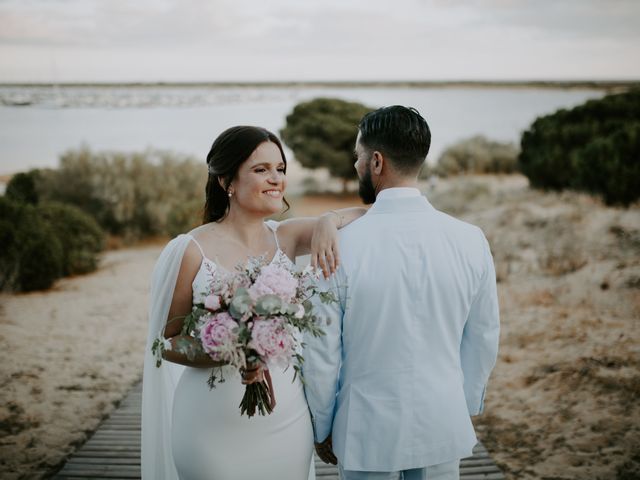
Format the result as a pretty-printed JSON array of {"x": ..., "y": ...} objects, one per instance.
[
  {"x": 31, "y": 256},
  {"x": 184, "y": 216},
  {"x": 79, "y": 234},
  {"x": 477, "y": 155},
  {"x": 131, "y": 195},
  {"x": 322, "y": 134},
  {"x": 594, "y": 147},
  {"x": 22, "y": 187},
  {"x": 610, "y": 165}
]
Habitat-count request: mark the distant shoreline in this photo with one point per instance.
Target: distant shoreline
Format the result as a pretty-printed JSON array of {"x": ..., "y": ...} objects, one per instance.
[{"x": 553, "y": 84}]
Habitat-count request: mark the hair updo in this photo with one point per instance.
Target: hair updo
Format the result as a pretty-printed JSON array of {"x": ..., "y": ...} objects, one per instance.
[{"x": 230, "y": 150}]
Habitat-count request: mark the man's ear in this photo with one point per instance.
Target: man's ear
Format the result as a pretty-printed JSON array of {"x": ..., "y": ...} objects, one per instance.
[{"x": 377, "y": 162}]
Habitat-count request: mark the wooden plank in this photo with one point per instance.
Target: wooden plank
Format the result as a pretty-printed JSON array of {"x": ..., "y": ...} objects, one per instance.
[
  {"x": 490, "y": 476},
  {"x": 105, "y": 454},
  {"x": 104, "y": 469},
  {"x": 106, "y": 461},
  {"x": 113, "y": 451}
]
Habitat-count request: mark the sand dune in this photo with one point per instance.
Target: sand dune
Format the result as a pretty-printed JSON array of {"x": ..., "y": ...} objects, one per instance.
[{"x": 562, "y": 402}]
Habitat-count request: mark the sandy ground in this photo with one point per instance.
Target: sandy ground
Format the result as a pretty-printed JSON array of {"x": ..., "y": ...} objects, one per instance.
[
  {"x": 562, "y": 402},
  {"x": 67, "y": 357},
  {"x": 563, "y": 399}
]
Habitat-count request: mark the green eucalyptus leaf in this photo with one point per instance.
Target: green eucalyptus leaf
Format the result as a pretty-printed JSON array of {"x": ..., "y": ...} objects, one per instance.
[
  {"x": 240, "y": 304},
  {"x": 291, "y": 309},
  {"x": 269, "y": 305}
]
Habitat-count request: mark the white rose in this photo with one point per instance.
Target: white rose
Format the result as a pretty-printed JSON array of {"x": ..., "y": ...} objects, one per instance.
[{"x": 212, "y": 302}]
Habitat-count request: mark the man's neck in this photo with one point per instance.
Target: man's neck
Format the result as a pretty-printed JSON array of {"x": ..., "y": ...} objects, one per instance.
[{"x": 397, "y": 183}]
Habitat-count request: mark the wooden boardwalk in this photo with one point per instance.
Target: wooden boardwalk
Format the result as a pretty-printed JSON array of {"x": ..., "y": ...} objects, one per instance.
[{"x": 114, "y": 451}]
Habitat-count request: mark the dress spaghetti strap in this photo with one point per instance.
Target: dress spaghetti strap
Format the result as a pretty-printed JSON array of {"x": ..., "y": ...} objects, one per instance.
[
  {"x": 273, "y": 226},
  {"x": 200, "y": 248}
]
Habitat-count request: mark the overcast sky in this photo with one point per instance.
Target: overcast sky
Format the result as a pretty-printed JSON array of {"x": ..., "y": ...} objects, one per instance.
[{"x": 262, "y": 40}]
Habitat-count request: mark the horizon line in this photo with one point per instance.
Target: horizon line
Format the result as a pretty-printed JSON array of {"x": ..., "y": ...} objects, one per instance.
[{"x": 598, "y": 83}]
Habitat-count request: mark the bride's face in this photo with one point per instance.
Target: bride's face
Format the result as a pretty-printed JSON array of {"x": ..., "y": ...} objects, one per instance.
[{"x": 260, "y": 183}]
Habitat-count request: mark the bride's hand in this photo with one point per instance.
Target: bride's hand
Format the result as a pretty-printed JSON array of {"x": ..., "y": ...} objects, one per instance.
[{"x": 324, "y": 244}]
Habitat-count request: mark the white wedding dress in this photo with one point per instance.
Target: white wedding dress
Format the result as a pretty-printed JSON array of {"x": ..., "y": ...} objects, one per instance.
[{"x": 210, "y": 440}]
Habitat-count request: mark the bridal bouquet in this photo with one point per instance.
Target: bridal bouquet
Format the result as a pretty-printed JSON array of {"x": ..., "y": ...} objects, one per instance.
[{"x": 253, "y": 316}]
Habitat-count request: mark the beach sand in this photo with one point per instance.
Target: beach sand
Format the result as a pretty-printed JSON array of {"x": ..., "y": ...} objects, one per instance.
[
  {"x": 562, "y": 402},
  {"x": 67, "y": 357}
]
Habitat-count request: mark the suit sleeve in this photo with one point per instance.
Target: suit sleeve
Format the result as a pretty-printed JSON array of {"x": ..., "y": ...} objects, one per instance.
[
  {"x": 479, "y": 346},
  {"x": 322, "y": 358}
]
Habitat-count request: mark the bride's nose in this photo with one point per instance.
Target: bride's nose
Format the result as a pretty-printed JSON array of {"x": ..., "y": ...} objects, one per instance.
[{"x": 275, "y": 178}]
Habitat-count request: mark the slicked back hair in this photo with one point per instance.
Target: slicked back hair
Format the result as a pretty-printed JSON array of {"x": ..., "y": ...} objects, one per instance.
[{"x": 400, "y": 133}]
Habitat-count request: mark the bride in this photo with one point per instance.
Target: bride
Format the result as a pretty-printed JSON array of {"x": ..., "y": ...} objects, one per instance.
[{"x": 189, "y": 431}]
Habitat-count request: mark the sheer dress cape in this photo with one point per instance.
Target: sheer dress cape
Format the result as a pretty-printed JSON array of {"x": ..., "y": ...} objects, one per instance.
[{"x": 159, "y": 384}]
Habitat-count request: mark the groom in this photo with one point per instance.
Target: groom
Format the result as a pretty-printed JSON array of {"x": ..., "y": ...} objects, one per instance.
[{"x": 414, "y": 336}]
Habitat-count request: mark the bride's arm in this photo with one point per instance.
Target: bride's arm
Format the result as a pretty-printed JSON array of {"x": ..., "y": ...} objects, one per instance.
[
  {"x": 180, "y": 307},
  {"x": 319, "y": 235}
]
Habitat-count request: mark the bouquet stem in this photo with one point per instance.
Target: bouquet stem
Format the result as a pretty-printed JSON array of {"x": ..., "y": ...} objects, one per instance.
[{"x": 256, "y": 397}]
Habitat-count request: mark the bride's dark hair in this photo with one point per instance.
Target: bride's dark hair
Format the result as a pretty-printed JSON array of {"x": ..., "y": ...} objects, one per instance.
[{"x": 230, "y": 150}]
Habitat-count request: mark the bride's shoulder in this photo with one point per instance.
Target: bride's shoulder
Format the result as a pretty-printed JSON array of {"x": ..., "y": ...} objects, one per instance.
[{"x": 200, "y": 229}]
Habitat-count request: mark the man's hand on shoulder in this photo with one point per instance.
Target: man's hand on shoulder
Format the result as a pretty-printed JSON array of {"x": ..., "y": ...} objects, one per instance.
[{"x": 325, "y": 451}]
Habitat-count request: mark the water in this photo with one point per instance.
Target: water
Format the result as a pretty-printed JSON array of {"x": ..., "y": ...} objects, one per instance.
[{"x": 187, "y": 119}]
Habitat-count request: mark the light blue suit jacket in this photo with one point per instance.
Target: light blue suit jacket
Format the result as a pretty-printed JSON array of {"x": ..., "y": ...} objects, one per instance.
[{"x": 412, "y": 341}]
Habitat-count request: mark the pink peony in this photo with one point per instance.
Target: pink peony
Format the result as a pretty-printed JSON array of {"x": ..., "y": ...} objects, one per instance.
[
  {"x": 274, "y": 280},
  {"x": 212, "y": 302},
  {"x": 273, "y": 341},
  {"x": 219, "y": 336}
]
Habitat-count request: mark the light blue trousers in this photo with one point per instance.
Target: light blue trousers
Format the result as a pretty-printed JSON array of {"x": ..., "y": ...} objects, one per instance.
[{"x": 442, "y": 471}]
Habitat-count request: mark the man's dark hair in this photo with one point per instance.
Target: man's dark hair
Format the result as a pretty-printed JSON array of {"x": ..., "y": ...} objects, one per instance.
[{"x": 399, "y": 133}]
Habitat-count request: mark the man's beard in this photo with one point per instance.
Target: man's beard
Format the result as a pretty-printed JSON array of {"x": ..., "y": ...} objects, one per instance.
[{"x": 365, "y": 189}]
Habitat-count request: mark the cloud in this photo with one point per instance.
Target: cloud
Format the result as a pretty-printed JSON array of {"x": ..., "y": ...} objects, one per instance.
[{"x": 226, "y": 39}]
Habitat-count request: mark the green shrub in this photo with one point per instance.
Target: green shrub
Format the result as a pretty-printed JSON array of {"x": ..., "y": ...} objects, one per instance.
[
  {"x": 30, "y": 253},
  {"x": 183, "y": 217},
  {"x": 603, "y": 166},
  {"x": 22, "y": 188},
  {"x": 131, "y": 195},
  {"x": 322, "y": 134},
  {"x": 592, "y": 147},
  {"x": 477, "y": 155},
  {"x": 79, "y": 234}
]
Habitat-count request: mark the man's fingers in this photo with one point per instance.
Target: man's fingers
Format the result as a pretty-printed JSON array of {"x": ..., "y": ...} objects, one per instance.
[
  {"x": 326, "y": 457},
  {"x": 325, "y": 451}
]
